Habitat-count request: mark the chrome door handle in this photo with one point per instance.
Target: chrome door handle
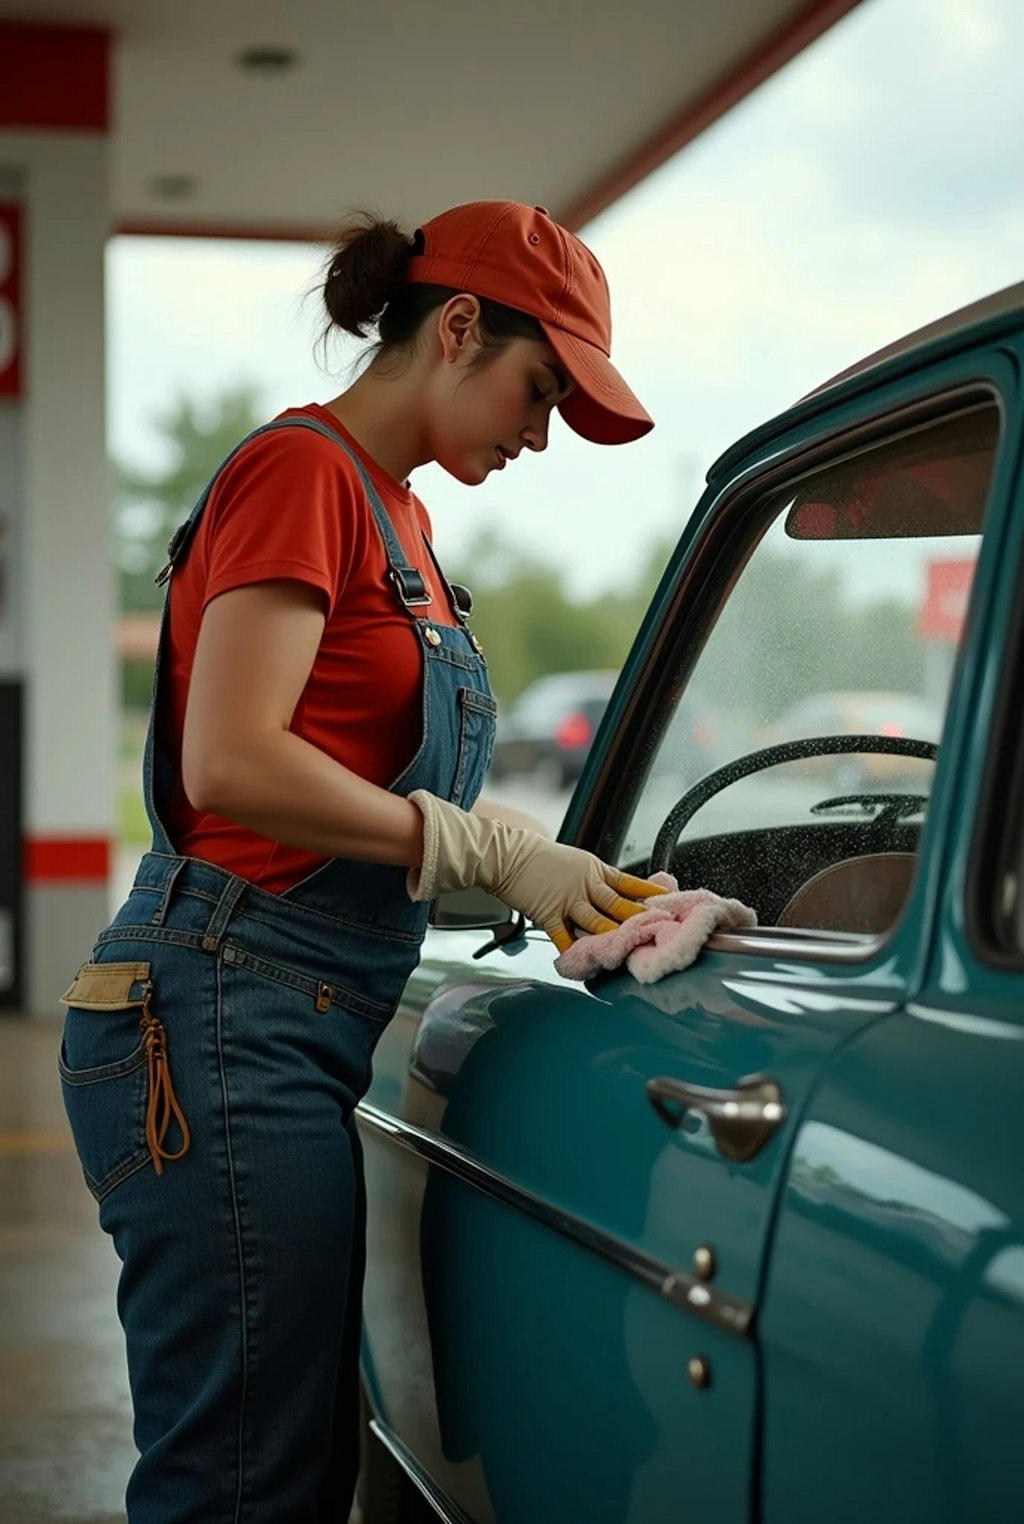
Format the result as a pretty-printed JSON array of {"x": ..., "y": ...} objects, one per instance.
[{"x": 741, "y": 1120}]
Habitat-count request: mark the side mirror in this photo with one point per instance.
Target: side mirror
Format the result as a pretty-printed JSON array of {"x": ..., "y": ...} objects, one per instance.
[{"x": 468, "y": 910}]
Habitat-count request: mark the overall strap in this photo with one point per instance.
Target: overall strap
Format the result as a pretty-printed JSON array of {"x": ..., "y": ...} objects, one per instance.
[
  {"x": 408, "y": 581},
  {"x": 459, "y": 596},
  {"x": 182, "y": 536}
]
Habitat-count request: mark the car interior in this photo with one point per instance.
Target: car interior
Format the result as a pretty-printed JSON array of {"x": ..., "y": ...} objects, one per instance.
[
  {"x": 849, "y": 869},
  {"x": 852, "y": 876}
]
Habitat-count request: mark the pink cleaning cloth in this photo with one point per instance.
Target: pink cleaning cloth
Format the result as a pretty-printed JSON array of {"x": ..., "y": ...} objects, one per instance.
[{"x": 660, "y": 940}]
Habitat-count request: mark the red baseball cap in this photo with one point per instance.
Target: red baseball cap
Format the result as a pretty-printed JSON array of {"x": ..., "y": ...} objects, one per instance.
[{"x": 519, "y": 256}]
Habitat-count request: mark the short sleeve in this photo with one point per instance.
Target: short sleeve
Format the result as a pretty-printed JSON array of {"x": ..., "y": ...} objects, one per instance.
[{"x": 287, "y": 506}]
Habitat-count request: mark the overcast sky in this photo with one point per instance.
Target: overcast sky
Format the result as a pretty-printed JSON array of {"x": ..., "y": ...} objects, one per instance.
[{"x": 872, "y": 185}]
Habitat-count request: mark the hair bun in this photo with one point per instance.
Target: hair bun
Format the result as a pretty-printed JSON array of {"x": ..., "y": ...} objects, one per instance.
[{"x": 367, "y": 267}]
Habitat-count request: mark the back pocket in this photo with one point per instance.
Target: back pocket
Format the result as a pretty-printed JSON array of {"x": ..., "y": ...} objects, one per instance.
[{"x": 110, "y": 1056}]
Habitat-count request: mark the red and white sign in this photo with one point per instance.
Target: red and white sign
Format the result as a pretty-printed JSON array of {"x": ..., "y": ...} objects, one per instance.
[
  {"x": 944, "y": 609},
  {"x": 11, "y": 336}
]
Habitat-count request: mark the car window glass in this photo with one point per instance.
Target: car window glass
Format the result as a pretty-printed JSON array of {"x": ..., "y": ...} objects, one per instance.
[{"x": 843, "y": 620}]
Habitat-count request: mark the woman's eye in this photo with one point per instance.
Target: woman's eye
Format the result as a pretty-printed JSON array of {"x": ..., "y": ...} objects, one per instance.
[{"x": 538, "y": 395}]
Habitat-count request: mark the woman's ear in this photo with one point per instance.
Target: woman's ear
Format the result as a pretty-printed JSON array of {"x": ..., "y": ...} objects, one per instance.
[{"x": 458, "y": 327}]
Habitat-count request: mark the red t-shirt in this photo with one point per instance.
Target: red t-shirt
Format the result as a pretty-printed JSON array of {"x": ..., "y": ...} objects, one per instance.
[{"x": 291, "y": 504}]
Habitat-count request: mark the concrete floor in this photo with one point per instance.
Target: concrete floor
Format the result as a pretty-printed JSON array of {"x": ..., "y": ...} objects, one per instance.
[{"x": 65, "y": 1418}]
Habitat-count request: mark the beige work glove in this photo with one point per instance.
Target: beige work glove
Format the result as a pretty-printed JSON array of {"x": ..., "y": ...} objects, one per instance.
[{"x": 555, "y": 886}]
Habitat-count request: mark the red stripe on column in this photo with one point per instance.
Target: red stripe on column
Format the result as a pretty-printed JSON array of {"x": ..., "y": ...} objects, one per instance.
[
  {"x": 54, "y": 76},
  {"x": 12, "y": 334},
  {"x": 66, "y": 859}
]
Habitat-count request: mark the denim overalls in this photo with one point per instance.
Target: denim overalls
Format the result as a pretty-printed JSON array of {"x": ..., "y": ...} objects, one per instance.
[{"x": 221, "y": 1147}]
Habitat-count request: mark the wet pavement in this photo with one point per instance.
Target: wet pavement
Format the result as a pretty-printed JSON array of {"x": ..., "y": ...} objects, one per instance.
[
  {"x": 66, "y": 1447},
  {"x": 65, "y": 1418}
]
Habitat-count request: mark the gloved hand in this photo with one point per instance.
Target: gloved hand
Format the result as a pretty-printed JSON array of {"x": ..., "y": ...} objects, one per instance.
[{"x": 555, "y": 886}]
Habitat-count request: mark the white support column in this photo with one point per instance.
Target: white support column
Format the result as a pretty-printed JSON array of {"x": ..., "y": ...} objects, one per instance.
[{"x": 58, "y": 632}]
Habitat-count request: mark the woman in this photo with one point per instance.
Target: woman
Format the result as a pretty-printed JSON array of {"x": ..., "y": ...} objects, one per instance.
[{"x": 322, "y": 723}]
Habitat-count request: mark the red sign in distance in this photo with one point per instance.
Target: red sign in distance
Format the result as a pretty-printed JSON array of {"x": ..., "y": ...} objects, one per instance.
[
  {"x": 944, "y": 608},
  {"x": 10, "y": 300}
]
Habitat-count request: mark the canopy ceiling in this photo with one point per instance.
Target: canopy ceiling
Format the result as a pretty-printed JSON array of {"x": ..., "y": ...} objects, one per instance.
[{"x": 412, "y": 106}]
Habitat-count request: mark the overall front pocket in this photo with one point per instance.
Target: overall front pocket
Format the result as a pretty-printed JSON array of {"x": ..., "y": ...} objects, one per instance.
[
  {"x": 114, "y": 1074},
  {"x": 477, "y": 712}
]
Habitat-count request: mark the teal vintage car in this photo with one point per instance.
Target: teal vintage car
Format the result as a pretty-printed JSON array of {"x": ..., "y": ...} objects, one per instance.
[{"x": 747, "y": 1244}]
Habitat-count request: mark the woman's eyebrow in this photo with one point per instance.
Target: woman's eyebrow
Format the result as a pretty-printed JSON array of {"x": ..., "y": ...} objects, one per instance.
[{"x": 563, "y": 380}]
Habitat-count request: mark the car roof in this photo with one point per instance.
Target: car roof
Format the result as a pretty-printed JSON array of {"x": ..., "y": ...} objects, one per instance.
[
  {"x": 591, "y": 680},
  {"x": 1009, "y": 300},
  {"x": 987, "y": 316}
]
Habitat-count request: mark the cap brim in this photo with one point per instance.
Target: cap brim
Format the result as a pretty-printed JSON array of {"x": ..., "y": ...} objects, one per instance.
[{"x": 602, "y": 408}]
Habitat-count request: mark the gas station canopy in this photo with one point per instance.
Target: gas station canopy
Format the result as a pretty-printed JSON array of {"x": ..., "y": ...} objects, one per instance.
[{"x": 267, "y": 119}]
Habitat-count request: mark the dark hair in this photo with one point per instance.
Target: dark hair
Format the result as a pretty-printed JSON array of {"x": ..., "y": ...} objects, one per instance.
[{"x": 364, "y": 287}]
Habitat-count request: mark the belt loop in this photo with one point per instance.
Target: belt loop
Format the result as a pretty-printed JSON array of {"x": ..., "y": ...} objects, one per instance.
[
  {"x": 160, "y": 912},
  {"x": 223, "y": 913}
]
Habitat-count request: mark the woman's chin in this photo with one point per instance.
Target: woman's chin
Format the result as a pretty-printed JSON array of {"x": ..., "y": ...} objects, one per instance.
[{"x": 469, "y": 472}]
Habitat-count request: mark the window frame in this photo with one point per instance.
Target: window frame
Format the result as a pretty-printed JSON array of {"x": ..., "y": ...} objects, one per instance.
[
  {"x": 736, "y": 518},
  {"x": 999, "y": 837}
]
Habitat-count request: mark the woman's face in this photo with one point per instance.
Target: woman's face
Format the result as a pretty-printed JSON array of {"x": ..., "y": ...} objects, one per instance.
[{"x": 481, "y": 418}]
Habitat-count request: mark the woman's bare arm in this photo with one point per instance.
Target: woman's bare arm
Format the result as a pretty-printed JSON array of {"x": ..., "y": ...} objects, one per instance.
[{"x": 253, "y": 658}]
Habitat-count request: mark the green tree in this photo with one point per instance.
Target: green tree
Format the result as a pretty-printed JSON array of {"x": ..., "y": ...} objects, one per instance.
[
  {"x": 149, "y": 506},
  {"x": 528, "y": 623}
]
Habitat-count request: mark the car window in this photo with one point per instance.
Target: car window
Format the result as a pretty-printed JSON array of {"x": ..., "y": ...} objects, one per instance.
[{"x": 843, "y": 621}]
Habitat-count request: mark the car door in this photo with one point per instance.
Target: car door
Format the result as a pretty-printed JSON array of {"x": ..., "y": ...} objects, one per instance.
[{"x": 573, "y": 1188}]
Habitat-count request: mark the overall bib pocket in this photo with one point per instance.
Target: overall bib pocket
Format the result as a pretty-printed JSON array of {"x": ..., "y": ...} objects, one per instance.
[
  {"x": 476, "y": 742},
  {"x": 114, "y": 1074}
]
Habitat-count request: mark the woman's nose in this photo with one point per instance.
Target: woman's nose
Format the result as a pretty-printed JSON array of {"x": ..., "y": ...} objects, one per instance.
[{"x": 535, "y": 436}]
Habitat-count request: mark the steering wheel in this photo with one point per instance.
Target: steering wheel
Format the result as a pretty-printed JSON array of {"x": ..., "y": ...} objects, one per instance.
[{"x": 684, "y": 810}]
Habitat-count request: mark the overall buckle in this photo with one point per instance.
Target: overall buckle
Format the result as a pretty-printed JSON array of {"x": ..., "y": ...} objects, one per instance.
[
  {"x": 463, "y": 600},
  {"x": 411, "y": 587},
  {"x": 176, "y": 542}
]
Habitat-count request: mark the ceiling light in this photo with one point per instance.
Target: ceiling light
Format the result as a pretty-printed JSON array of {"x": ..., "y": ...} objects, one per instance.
[
  {"x": 173, "y": 187},
  {"x": 267, "y": 60}
]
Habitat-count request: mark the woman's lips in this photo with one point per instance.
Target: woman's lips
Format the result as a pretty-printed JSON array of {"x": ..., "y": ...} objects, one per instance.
[{"x": 501, "y": 460}]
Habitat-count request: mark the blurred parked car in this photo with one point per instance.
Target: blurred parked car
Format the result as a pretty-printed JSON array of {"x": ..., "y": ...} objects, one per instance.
[
  {"x": 549, "y": 728},
  {"x": 869, "y": 713}
]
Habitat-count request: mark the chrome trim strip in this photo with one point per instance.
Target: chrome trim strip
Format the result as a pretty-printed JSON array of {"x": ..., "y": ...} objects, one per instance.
[
  {"x": 787, "y": 942},
  {"x": 684, "y": 1290},
  {"x": 802, "y": 946},
  {"x": 446, "y": 1510}
]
